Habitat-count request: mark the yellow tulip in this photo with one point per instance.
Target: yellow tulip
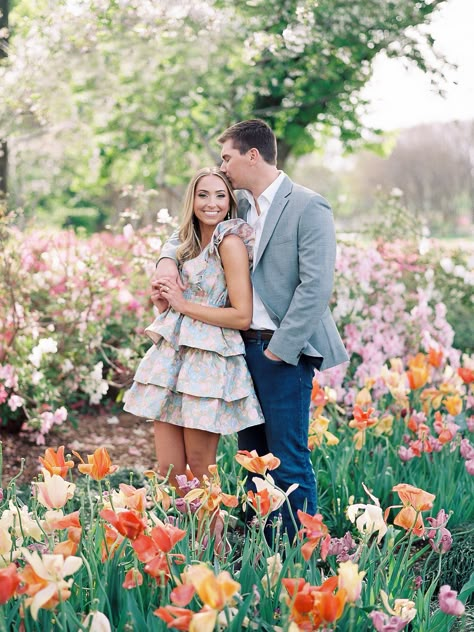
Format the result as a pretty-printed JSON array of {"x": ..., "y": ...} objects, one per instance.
[
  {"x": 453, "y": 404},
  {"x": 364, "y": 398},
  {"x": 214, "y": 591},
  {"x": 350, "y": 579}
]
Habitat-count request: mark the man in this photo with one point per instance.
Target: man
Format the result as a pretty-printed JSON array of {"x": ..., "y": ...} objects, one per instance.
[{"x": 292, "y": 330}]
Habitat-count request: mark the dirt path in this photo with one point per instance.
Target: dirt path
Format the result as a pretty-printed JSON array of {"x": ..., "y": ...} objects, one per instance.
[{"x": 128, "y": 440}]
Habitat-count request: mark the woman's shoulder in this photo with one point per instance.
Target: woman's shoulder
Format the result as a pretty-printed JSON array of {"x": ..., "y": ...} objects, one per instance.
[{"x": 237, "y": 227}]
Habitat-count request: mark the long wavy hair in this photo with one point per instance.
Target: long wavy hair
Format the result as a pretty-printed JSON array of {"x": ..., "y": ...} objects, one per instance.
[{"x": 189, "y": 231}]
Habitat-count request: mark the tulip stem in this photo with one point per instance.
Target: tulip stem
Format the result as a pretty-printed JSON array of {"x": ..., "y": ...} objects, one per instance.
[{"x": 352, "y": 614}]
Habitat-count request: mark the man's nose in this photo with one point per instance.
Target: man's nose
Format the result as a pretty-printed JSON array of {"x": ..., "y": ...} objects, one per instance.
[{"x": 222, "y": 167}]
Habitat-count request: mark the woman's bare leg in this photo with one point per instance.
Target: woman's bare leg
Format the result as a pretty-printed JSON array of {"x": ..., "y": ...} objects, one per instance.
[
  {"x": 170, "y": 450},
  {"x": 200, "y": 450}
]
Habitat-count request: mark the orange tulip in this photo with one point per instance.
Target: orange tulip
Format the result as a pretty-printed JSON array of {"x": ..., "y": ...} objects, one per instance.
[
  {"x": 133, "y": 578},
  {"x": 260, "y": 501},
  {"x": 466, "y": 375},
  {"x": 435, "y": 357},
  {"x": 9, "y": 581},
  {"x": 134, "y": 498},
  {"x": 318, "y": 395},
  {"x": 414, "y": 496},
  {"x": 64, "y": 522},
  {"x": 127, "y": 523},
  {"x": 66, "y": 548},
  {"x": 166, "y": 536},
  {"x": 313, "y": 606},
  {"x": 110, "y": 544},
  {"x": 152, "y": 549},
  {"x": 176, "y": 618},
  {"x": 316, "y": 531},
  {"x": 410, "y": 519},
  {"x": 329, "y": 607},
  {"x": 418, "y": 373},
  {"x": 182, "y": 594},
  {"x": 54, "y": 462},
  {"x": 414, "y": 501},
  {"x": 258, "y": 464},
  {"x": 99, "y": 464},
  {"x": 362, "y": 420}
]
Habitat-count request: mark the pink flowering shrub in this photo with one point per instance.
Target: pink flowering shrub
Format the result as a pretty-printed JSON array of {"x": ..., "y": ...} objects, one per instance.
[
  {"x": 73, "y": 310},
  {"x": 387, "y": 303}
]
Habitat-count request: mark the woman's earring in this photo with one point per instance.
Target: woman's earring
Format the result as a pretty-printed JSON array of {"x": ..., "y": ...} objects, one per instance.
[{"x": 228, "y": 215}]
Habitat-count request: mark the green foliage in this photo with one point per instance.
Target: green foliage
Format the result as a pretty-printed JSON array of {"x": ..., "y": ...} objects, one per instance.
[
  {"x": 114, "y": 94},
  {"x": 458, "y": 562}
]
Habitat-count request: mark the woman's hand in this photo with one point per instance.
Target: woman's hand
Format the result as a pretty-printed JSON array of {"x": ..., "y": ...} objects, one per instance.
[{"x": 172, "y": 292}]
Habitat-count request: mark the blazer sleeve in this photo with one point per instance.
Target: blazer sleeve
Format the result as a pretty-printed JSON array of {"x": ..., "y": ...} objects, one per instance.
[
  {"x": 168, "y": 251},
  {"x": 316, "y": 260}
]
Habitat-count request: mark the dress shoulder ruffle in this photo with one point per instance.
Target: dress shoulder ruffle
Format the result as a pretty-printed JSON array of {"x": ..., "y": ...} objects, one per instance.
[{"x": 237, "y": 227}]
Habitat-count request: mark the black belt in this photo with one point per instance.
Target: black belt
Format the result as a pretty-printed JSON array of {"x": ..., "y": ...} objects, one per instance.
[{"x": 257, "y": 334}]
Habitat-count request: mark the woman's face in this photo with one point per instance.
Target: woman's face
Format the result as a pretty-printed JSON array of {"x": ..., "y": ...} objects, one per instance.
[{"x": 211, "y": 200}]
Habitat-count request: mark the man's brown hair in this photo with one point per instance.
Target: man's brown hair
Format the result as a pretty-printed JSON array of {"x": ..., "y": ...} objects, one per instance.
[{"x": 253, "y": 133}]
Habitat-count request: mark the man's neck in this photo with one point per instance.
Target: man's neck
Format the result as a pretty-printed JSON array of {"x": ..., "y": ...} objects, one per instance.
[{"x": 268, "y": 175}]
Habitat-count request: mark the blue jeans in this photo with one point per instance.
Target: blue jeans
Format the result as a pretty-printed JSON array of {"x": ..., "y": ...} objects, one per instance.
[{"x": 284, "y": 392}]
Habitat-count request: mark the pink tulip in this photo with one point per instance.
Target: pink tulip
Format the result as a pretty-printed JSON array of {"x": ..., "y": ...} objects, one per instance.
[
  {"x": 384, "y": 623},
  {"x": 467, "y": 450},
  {"x": 442, "y": 542},
  {"x": 54, "y": 492},
  {"x": 449, "y": 603}
]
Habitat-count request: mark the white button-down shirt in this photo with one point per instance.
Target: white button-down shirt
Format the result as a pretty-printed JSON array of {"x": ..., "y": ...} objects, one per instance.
[{"x": 260, "y": 317}]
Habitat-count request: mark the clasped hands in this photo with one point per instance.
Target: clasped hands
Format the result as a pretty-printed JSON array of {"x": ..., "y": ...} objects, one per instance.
[{"x": 167, "y": 291}]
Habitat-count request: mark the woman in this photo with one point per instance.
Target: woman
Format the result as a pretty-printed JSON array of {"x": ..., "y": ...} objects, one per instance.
[{"x": 194, "y": 382}]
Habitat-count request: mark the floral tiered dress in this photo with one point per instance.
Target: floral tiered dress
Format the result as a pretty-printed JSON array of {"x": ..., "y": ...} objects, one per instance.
[{"x": 195, "y": 374}]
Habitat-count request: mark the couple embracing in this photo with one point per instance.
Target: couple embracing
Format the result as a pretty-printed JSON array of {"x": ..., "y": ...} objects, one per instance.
[{"x": 243, "y": 290}]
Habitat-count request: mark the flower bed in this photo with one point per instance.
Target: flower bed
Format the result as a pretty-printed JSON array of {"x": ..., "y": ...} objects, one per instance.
[{"x": 89, "y": 556}]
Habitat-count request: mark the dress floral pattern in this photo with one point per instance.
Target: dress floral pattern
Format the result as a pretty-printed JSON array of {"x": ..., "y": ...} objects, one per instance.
[{"x": 195, "y": 374}]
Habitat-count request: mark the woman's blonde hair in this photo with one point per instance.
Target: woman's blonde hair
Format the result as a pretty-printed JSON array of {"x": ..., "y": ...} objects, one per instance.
[{"x": 189, "y": 232}]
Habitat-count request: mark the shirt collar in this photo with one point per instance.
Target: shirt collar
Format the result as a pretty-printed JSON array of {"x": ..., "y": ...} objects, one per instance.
[{"x": 270, "y": 191}]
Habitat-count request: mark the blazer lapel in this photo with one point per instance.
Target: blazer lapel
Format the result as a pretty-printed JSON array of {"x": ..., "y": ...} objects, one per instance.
[{"x": 273, "y": 215}]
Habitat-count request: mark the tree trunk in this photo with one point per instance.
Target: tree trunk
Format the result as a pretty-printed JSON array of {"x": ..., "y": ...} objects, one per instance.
[
  {"x": 3, "y": 54},
  {"x": 283, "y": 151}
]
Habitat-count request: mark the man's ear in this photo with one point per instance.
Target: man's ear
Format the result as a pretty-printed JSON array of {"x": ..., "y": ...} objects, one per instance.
[{"x": 254, "y": 154}]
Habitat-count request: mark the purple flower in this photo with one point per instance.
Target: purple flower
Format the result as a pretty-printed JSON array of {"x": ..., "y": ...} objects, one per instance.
[
  {"x": 448, "y": 601},
  {"x": 470, "y": 466},
  {"x": 183, "y": 506},
  {"x": 385, "y": 623},
  {"x": 440, "y": 521},
  {"x": 405, "y": 454},
  {"x": 442, "y": 541},
  {"x": 467, "y": 450},
  {"x": 470, "y": 423},
  {"x": 342, "y": 547},
  {"x": 186, "y": 485}
]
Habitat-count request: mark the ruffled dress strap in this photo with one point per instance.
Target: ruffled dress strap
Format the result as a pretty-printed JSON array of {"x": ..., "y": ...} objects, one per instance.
[{"x": 237, "y": 227}]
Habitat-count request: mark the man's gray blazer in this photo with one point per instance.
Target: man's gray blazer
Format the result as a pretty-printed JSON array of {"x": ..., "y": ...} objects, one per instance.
[{"x": 293, "y": 274}]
